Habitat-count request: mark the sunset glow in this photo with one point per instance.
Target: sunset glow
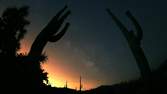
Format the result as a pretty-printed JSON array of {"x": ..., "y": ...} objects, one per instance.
[
  {"x": 58, "y": 74},
  {"x": 83, "y": 46},
  {"x": 58, "y": 77}
]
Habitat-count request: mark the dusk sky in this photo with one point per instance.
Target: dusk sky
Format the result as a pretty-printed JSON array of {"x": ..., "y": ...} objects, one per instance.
[{"x": 94, "y": 47}]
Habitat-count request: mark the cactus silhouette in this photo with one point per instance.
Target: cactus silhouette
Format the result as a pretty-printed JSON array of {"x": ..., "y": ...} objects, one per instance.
[
  {"x": 134, "y": 42},
  {"x": 49, "y": 34},
  {"x": 80, "y": 84}
]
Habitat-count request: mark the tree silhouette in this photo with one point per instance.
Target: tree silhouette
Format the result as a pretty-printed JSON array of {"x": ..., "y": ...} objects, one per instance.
[
  {"x": 25, "y": 69},
  {"x": 12, "y": 29}
]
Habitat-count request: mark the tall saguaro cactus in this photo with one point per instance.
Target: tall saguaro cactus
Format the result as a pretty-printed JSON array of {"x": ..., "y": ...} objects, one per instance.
[
  {"x": 51, "y": 33},
  {"x": 134, "y": 42}
]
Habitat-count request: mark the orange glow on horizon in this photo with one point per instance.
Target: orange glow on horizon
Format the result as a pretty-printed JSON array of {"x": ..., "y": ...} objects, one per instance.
[
  {"x": 24, "y": 47},
  {"x": 58, "y": 74},
  {"x": 57, "y": 77}
]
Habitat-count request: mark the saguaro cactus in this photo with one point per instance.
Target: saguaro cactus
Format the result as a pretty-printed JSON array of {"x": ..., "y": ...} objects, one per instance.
[
  {"x": 134, "y": 42},
  {"x": 49, "y": 34}
]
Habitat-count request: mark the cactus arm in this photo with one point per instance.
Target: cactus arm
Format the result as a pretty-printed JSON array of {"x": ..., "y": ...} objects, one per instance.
[
  {"x": 137, "y": 26},
  {"x": 55, "y": 18},
  {"x": 47, "y": 34},
  {"x": 61, "y": 20},
  {"x": 60, "y": 12},
  {"x": 120, "y": 25},
  {"x": 54, "y": 25},
  {"x": 60, "y": 34}
]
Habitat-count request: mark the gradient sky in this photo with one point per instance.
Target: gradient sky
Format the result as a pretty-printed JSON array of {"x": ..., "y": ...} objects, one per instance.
[{"x": 94, "y": 47}]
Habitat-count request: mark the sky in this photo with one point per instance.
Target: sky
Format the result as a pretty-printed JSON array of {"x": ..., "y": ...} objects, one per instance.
[{"x": 94, "y": 47}]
